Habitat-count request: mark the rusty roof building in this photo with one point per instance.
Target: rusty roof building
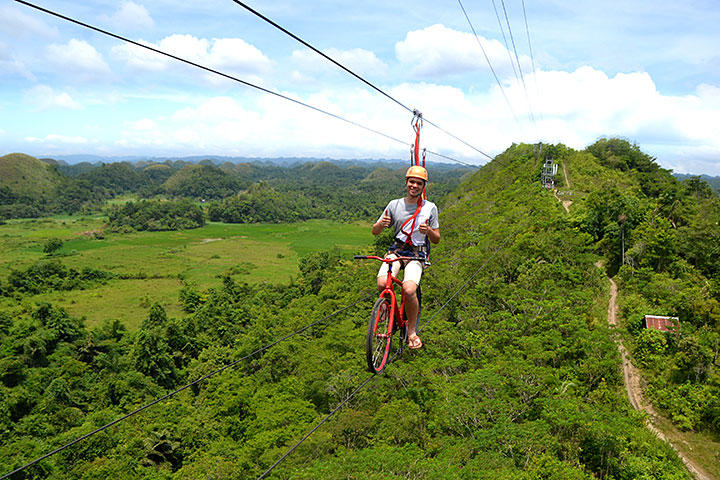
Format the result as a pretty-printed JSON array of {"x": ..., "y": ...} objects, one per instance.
[{"x": 658, "y": 322}]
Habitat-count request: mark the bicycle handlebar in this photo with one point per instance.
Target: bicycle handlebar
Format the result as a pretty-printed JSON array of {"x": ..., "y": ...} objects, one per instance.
[{"x": 387, "y": 260}]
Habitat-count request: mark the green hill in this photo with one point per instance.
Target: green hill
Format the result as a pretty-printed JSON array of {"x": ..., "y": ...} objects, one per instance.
[
  {"x": 383, "y": 175},
  {"x": 714, "y": 182},
  {"x": 520, "y": 377},
  {"x": 27, "y": 176},
  {"x": 158, "y": 172},
  {"x": 202, "y": 181}
]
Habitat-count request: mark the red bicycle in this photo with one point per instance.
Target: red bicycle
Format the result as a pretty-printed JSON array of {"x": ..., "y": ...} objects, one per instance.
[{"x": 387, "y": 318}]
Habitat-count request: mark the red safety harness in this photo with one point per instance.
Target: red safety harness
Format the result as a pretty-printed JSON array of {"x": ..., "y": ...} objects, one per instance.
[
  {"x": 417, "y": 123},
  {"x": 408, "y": 234}
]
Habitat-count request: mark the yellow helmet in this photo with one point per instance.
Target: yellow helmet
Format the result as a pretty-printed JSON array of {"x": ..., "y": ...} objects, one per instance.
[{"x": 417, "y": 172}]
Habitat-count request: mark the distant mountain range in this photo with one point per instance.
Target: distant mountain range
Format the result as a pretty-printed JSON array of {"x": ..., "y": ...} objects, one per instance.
[
  {"x": 219, "y": 160},
  {"x": 714, "y": 182}
]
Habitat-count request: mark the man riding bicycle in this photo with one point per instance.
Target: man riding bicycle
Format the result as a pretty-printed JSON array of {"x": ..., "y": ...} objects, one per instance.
[{"x": 414, "y": 220}]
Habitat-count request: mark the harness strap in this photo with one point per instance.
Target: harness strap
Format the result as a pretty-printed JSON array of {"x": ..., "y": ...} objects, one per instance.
[
  {"x": 408, "y": 235},
  {"x": 417, "y": 123},
  {"x": 416, "y": 151}
]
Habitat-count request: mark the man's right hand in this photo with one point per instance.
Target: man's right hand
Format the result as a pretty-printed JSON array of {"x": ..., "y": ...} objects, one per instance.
[
  {"x": 382, "y": 224},
  {"x": 385, "y": 221}
]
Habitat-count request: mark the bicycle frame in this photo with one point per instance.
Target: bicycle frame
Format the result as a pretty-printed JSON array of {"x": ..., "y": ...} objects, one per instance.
[
  {"x": 396, "y": 321},
  {"x": 396, "y": 310}
]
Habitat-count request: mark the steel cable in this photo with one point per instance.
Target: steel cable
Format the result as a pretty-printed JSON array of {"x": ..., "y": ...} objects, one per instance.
[
  {"x": 532, "y": 57},
  {"x": 487, "y": 260},
  {"x": 292, "y": 449},
  {"x": 517, "y": 58},
  {"x": 185, "y": 387},
  {"x": 230, "y": 77},
  {"x": 489, "y": 63},
  {"x": 507, "y": 46},
  {"x": 287, "y": 32}
]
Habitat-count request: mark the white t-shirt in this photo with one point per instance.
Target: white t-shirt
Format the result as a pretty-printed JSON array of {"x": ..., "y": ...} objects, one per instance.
[{"x": 400, "y": 211}]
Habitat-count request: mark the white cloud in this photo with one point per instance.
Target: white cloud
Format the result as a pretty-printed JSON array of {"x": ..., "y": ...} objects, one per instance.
[
  {"x": 132, "y": 15},
  {"x": 143, "y": 125},
  {"x": 237, "y": 55},
  {"x": 139, "y": 58},
  {"x": 229, "y": 55},
  {"x": 574, "y": 108},
  {"x": 270, "y": 127},
  {"x": 217, "y": 109},
  {"x": 361, "y": 61},
  {"x": 17, "y": 24},
  {"x": 626, "y": 104},
  {"x": 73, "y": 140},
  {"x": 54, "y": 140},
  {"x": 9, "y": 65},
  {"x": 438, "y": 51},
  {"x": 42, "y": 97},
  {"x": 709, "y": 94},
  {"x": 78, "y": 59},
  {"x": 299, "y": 78}
]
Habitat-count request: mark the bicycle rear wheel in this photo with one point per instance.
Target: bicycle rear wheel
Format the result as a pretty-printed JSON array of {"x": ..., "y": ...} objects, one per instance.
[{"x": 379, "y": 337}]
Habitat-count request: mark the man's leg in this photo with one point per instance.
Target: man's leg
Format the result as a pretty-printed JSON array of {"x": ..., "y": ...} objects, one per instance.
[
  {"x": 381, "y": 283},
  {"x": 411, "y": 306},
  {"x": 382, "y": 273},
  {"x": 413, "y": 274}
]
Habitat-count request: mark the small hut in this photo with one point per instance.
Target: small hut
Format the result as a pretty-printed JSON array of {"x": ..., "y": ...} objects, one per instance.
[{"x": 658, "y": 322}]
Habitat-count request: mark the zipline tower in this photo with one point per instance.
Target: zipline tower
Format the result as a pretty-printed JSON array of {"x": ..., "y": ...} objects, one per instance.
[{"x": 547, "y": 177}]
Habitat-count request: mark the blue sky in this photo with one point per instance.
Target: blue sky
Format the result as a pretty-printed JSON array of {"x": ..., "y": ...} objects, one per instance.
[{"x": 645, "y": 71}]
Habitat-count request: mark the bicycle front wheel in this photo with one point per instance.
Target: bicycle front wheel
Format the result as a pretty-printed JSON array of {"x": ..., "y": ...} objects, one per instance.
[{"x": 379, "y": 336}]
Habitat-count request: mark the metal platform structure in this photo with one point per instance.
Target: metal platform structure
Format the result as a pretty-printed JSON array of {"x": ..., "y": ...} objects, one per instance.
[{"x": 547, "y": 177}]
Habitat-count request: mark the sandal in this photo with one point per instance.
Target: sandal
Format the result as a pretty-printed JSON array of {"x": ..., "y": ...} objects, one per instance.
[{"x": 414, "y": 342}]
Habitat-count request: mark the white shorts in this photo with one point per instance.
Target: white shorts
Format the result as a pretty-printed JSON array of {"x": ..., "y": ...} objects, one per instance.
[{"x": 413, "y": 270}]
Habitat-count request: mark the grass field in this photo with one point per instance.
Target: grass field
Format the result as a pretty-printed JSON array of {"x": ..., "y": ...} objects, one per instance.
[{"x": 253, "y": 253}]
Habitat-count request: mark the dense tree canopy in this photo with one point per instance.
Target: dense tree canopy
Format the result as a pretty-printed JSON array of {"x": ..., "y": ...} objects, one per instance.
[
  {"x": 239, "y": 191},
  {"x": 156, "y": 215},
  {"x": 671, "y": 235},
  {"x": 519, "y": 378}
]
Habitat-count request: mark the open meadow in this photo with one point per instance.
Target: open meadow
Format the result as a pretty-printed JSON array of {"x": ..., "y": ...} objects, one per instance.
[{"x": 156, "y": 265}]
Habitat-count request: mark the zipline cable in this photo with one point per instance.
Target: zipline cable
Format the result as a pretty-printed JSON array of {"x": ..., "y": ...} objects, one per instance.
[
  {"x": 457, "y": 291},
  {"x": 490, "y": 157},
  {"x": 316, "y": 427},
  {"x": 287, "y": 32},
  {"x": 158, "y": 400},
  {"x": 488, "y": 61},
  {"x": 532, "y": 57},
  {"x": 487, "y": 260},
  {"x": 292, "y": 449},
  {"x": 453, "y": 159},
  {"x": 230, "y": 77},
  {"x": 507, "y": 46},
  {"x": 208, "y": 69},
  {"x": 517, "y": 58}
]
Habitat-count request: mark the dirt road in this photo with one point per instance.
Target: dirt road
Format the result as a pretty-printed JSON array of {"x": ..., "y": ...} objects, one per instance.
[
  {"x": 565, "y": 203},
  {"x": 633, "y": 385},
  {"x": 567, "y": 180}
]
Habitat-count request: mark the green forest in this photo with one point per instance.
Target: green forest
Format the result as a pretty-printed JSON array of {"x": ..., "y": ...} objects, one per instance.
[
  {"x": 520, "y": 376},
  {"x": 233, "y": 193}
]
